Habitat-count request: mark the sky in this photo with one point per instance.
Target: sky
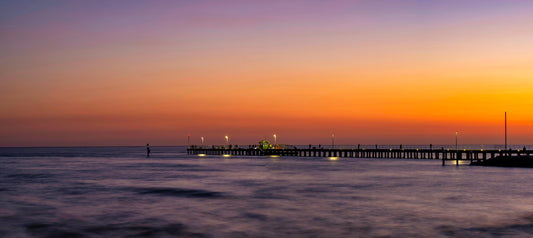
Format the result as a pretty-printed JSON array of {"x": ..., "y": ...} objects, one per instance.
[{"x": 102, "y": 73}]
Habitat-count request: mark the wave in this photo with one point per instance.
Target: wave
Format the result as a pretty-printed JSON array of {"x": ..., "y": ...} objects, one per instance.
[
  {"x": 178, "y": 192},
  {"x": 116, "y": 230}
]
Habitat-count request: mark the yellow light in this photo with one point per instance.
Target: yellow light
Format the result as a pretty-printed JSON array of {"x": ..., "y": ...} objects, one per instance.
[
  {"x": 333, "y": 158},
  {"x": 226, "y": 155},
  {"x": 448, "y": 149},
  {"x": 481, "y": 149},
  {"x": 464, "y": 149},
  {"x": 274, "y": 156},
  {"x": 518, "y": 151},
  {"x": 500, "y": 150},
  {"x": 416, "y": 149},
  {"x": 201, "y": 155},
  {"x": 390, "y": 149}
]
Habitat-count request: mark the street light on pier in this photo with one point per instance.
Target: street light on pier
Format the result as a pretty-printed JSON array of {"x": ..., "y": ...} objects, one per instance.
[
  {"x": 202, "y": 138},
  {"x": 275, "y": 140},
  {"x": 227, "y": 140},
  {"x": 332, "y": 140}
]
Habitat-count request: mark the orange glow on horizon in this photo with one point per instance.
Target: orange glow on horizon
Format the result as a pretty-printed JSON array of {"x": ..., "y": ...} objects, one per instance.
[{"x": 371, "y": 73}]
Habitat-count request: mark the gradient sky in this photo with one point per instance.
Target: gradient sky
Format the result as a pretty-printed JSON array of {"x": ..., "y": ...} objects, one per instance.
[{"x": 388, "y": 72}]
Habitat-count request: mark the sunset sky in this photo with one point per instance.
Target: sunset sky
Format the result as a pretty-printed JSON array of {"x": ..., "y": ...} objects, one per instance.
[{"x": 88, "y": 73}]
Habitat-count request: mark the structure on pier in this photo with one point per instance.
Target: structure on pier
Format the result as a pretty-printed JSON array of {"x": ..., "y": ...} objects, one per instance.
[{"x": 264, "y": 145}]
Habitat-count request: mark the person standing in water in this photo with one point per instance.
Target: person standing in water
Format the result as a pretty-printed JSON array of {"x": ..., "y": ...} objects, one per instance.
[{"x": 147, "y": 150}]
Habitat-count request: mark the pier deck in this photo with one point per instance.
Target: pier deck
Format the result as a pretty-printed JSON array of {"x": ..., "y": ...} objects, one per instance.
[{"x": 442, "y": 154}]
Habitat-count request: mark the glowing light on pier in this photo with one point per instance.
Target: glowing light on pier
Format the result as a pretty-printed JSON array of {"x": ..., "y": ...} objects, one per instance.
[
  {"x": 201, "y": 155},
  {"x": 226, "y": 155},
  {"x": 461, "y": 162}
]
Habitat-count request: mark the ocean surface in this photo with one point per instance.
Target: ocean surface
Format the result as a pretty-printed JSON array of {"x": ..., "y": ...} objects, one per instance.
[{"x": 118, "y": 192}]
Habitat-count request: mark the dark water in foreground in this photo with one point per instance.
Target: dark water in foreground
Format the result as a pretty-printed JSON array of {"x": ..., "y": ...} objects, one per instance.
[{"x": 117, "y": 192}]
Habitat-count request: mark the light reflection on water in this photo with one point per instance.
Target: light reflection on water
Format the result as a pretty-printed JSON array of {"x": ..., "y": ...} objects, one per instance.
[{"x": 171, "y": 194}]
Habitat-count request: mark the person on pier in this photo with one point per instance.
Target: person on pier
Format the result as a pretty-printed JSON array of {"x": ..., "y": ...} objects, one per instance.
[{"x": 147, "y": 150}]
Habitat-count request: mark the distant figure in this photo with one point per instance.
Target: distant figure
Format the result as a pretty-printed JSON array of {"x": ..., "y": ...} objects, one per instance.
[{"x": 147, "y": 150}]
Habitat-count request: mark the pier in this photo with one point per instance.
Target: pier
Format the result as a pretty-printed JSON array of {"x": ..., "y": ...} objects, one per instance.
[{"x": 436, "y": 154}]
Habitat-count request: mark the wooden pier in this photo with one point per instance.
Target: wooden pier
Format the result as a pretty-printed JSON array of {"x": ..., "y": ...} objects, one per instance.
[{"x": 442, "y": 154}]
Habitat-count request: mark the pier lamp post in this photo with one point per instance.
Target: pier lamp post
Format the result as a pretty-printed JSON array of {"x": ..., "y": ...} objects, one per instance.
[
  {"x": 227, "y": 140},
  {"x": 202, "y": 138},
  {"x": 275, "y": 140},
  {"x": 333, "y": 140}
]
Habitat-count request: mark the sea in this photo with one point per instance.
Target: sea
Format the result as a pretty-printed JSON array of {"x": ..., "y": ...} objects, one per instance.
[{"x": 119, "y": 192}]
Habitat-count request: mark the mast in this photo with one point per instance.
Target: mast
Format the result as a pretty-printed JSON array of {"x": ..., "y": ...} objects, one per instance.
[{"x": 505, "y": 130}]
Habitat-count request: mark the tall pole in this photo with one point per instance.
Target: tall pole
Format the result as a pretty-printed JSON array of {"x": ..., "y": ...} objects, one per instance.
[
  {"x": 202, "y": 140},
  {"x": 505, "y": 130},
  {"x": 333, "y": 140},
  {"x": 188, "y": 140},
  {"x": 275, "y": 140},
  {"x": 456, "y": 140}
]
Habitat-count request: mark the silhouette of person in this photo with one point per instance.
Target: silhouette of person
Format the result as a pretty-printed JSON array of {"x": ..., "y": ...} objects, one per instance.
[{"x": 147, "y": 150}]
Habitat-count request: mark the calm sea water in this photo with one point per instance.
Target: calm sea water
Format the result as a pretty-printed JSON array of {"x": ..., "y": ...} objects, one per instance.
[{"x": 118, "y": 192}]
